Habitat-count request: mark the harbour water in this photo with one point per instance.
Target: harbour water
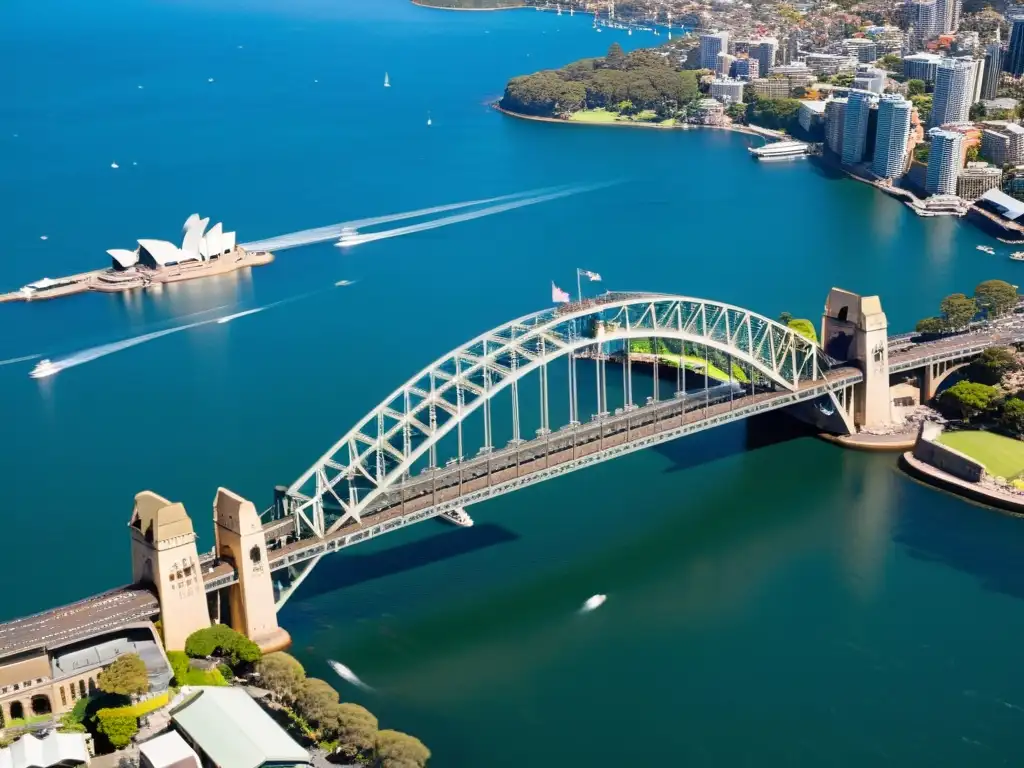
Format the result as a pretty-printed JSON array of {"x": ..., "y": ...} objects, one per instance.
[{"x": 770, "y": 598}]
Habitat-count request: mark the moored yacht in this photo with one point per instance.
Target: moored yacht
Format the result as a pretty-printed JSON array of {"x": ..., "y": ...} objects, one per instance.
[{"x": 1017, "y": 255}]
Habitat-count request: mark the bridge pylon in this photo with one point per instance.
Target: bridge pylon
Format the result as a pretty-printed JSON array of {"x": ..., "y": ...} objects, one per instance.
[
  {"x": 240, "y": 541},
  {"x": 164, "y": 556},
  {"x": 854, "y": 329}
]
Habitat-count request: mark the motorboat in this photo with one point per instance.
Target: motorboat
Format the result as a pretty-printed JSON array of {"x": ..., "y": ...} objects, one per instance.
[
  {"x": 1017, "y": 255},
  {"x": 343, "y": 283},
  {"x": 43, "y": 369},
  {"x": 458, "y": 517},
  {"x": 387, "y": 83},
  {"x": 987, "y": 249},
  {"x": 594, "y": 602},
  {"x": 349, "y": 236}
]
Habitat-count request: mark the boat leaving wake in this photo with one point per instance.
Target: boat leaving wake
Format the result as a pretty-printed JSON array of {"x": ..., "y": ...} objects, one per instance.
[
  {"x": 347, "y": 675},
  {"x": 350, "y": 240},
  {"x": 593, "y": 603},
  {"x": 334, "y": 231}
]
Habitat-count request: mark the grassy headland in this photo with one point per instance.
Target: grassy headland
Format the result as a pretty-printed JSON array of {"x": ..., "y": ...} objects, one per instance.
[
  {"x": 1002, "y": 456},
  {"x": 640, "y": 86}
]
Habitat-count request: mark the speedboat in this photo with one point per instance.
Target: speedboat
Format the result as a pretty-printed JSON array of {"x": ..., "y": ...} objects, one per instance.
[
  {"x": 987, "y": 249},
  {"x": 343, "y": 283},
  {"x": 458, "y": 517},
  {"x": 1017, "y": 255},
  {"x": 594, "y": 602},
  {"x": 43, "y": 369},
  {"x": 348, "y": 237}
]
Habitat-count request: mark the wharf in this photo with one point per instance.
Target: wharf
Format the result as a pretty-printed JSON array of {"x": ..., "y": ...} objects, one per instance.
[{"x": 113, "y": 281}]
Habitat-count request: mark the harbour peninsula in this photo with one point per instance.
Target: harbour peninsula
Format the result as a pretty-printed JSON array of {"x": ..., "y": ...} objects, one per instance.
[{"x": 154, "y": 263}]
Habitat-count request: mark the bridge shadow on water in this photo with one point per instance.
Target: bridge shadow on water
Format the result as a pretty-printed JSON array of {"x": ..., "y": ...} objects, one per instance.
[
  {"x": 349, "y": 568},
  {"x": 760, "y": 431}
]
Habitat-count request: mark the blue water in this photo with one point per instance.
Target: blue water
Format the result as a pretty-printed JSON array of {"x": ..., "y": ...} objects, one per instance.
[{"x": 789, "y": 603}]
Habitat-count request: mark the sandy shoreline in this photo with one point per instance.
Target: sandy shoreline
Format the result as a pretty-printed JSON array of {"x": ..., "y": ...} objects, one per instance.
[{"x": 744, "y": 129}]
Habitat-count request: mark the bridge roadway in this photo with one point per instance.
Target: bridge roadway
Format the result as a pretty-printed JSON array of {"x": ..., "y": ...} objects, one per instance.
[
  {"x": 482, "y": 477},
  {"x": 492, "y": 474}
]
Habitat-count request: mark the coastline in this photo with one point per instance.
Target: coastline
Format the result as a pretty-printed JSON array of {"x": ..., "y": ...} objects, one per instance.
[
  {"x": 943, "y": 481},
  {"x": 763, "y": 133},
  {"x": 450, "y": 8}
]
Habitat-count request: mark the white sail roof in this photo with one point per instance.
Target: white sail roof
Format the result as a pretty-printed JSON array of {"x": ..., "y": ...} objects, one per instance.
[
  {"x": 190, "y": 222},
  {"x": 211, "y": 245},
  {"x": 227, "y": 242},
  {"x": 163, "y": 252},
  {"x": 124, "y": 257},
  {"x": 194, "y": 235}
]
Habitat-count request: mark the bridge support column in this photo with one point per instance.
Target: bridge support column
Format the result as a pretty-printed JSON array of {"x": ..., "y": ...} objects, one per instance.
[
  {"x": 239, "y": 539},
  {"x": 164, "y": 555},
  {"x": 854, "y": 329}
]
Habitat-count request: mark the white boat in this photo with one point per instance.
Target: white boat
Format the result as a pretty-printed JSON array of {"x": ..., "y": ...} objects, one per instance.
[
  {"x": 987, "y": 249},
  {"x": 43, "y": 369},
  {"x": 387, "y": 83},
  {"x": 1017, "y": 255},
  {"x": 630, "y": 31},
  {"x": 429, "y": 121},
  {"x": 343, "y": 283},
  {"x": 594, "y": 602},
  {"x": 458, "y": 517},
  {"x": 349, "y": 237},
  {"x": 780, "y": 149}
]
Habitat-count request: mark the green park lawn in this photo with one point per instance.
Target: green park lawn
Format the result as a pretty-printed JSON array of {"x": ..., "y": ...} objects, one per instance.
[
  {"x": 1002, "y": 456},
  {"x": 594, "y": 116}
]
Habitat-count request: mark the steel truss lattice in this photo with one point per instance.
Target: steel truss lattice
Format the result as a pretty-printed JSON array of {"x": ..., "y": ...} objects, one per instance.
[{"x": 406, "y": 427}]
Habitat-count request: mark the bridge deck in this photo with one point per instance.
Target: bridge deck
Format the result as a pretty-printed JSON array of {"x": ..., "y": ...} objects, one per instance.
[
  {"x": 491, "y": 474},
  {"x": 59, "y": 626}
]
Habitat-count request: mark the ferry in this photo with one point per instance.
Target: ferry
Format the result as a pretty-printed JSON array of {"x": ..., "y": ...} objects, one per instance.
[
  {"x": 43, "y": 369},
  {"x": 780, "y": 149},
  {"x": 987, "y": 249},
  {"x": 1017, "y": 255}
]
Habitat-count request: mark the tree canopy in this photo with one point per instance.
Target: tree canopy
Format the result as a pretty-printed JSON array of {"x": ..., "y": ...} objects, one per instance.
[
  {"x": 779, "y": 114},
  {"x": 316, "y": 700},
  {"x": 399, "y": 750},
  {"x": 117, "y": 725},
  {"x": 127, "y": 676},
  {"x": 915, "y": 87},
  {"x": 958, "y": 310},
  {"x": 993, "y": 364},
  {"x": 1012, "y": 417},
  {"x": 643, "y": 77},
  {"x": 804, "y": 327},
  {"x": 353, "y": 726},
  {"x": 968, "y": 399},
  {"x": 222, "y": 640},
  {"x": 996, "y": 296},
  {"x": 282, "y": 674}
]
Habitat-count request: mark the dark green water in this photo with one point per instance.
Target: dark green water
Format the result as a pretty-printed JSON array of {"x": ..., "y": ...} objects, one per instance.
[{"x": 770, "y": 600}]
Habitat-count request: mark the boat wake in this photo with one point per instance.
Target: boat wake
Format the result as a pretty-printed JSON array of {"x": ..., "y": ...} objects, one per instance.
[
  {"x": 334, "y": 231},
  {"x": 348, "y": 675},
  {"x": 14, "y": 360},
  {"x": 368, "y": 237},
  {"x": 94, "y": 353}
]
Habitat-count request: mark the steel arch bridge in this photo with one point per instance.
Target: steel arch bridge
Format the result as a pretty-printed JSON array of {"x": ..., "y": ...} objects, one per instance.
[{"x": 403, "y": 433}]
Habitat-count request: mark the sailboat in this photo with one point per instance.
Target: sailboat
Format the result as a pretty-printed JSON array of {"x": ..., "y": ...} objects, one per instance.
[{"x": 387, "y": 83}]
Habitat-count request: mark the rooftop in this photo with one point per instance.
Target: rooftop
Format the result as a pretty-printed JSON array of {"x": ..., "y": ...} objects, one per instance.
[
  {"x": 1002, "y": 204},
  {"x": 32, "y": 752},
  {"x": 234, "y": 731},
  {"x": 168, "y": 749}
]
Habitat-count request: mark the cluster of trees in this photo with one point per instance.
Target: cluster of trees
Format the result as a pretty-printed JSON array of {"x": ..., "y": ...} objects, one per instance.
[
  {"x": 222, "y": 641},
  {"x": 979, "y": 396},
  {"x": 643, "y": 78},
  {"x": 778, "y": 114},
  {"x": 348, "y": 728},
  {"x": 991, "y": 297}
]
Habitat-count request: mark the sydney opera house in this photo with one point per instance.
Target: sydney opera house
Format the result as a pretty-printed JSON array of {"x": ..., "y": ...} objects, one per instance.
[{"x": 198, "y": 246}]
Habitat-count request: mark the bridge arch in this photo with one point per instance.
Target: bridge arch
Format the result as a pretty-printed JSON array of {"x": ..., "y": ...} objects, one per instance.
[{"x": 407, "y": 425}]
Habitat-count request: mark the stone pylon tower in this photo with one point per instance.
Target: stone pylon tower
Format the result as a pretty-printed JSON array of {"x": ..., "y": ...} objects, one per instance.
[
  {"x": 854, "y": 328},
  {"x": 164, "y": 555},
  {"x": 240, "y": 541}
]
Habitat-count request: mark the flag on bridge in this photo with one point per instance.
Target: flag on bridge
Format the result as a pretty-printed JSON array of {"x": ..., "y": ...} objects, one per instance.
[
  {"x": 558, "y": 296},
  {"x": 592, "y": 276}
]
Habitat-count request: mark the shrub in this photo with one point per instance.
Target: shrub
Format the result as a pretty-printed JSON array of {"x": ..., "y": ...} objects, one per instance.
[
  {"x": 226, "y": 672},
  {"x": 179, "y": 665},
  {"x": 315, "y": 700},
  {"x": 282, "y": 675},
  {"x": 400, "y": 750},
  {"x": 118, "y": 725}
]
